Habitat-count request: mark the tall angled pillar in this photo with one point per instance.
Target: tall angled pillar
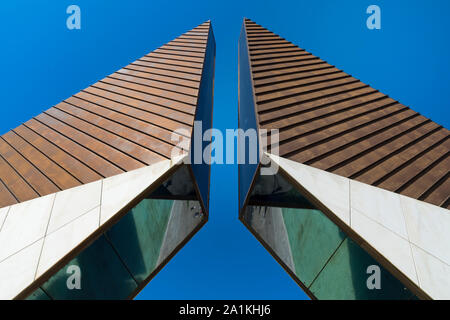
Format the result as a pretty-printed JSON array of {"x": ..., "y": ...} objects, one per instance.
[
  {"x": 359, "y": 206},
  {"x": 95, "y": 192}
]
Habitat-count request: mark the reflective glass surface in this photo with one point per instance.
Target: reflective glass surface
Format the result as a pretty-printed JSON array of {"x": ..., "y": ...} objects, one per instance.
[{"x": 128, "y": 254}]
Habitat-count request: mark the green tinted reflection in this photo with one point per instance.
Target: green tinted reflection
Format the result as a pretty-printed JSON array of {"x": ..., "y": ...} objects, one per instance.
[
  {"x": 276, "y": 191},
  {"x": 103, "y": 275},
  {"x": 345, "y": 277},
  {"x": 313, "y": 238}
]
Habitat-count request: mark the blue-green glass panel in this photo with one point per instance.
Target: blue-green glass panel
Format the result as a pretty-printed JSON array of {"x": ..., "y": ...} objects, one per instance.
[
  {"x": 178, "y": 186},
  {"x": 103, "y": 276}
]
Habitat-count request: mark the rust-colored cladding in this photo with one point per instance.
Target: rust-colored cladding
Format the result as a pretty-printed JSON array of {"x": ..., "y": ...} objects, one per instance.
[
  {"x": 123, "y": 122},
  {"x": 329, "y": 120}
]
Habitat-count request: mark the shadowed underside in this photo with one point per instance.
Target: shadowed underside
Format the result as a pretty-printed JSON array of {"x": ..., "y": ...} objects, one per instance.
[{"x": 121, "y": 123}]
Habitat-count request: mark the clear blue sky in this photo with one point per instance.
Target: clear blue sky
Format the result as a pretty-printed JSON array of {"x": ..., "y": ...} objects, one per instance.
[{"x": 42, "y": 63}]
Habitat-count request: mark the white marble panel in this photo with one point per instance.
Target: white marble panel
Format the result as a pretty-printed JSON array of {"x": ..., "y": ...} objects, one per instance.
[
  {"x": 74, "y": 202},
  {"x": 330, "y": 189},
  {"x": 17, "y": 272},
  {"x": 428, "y": 227},
  {"x": 380, "y": 205},
  {"x": 59, "y": 243},
  {"x": 26, "y": 223},
  {"x": 389, "y": 244},
  {"x": 434, "y": 274}
]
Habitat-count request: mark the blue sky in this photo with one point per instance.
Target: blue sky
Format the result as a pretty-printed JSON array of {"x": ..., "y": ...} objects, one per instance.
[{"x": 43, "y": 63}]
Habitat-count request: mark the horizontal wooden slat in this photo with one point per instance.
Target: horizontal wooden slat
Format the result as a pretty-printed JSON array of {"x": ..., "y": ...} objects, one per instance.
[
  {"x": 401, "y": 178},
  {"x": 155, "y": 125},
  {"x": 16, "y": 184},
  {"x": 135, "y": 72},
  {"x": 340, "y": 96},
  {"x": 168, "y": 66},
  {"x": 108, "y": 145},
  {"x": 331, "y": 114},
  {"x": 161, "y": 111},
  {"x": 156, "y": 100},
  {"x": 149, "y": 82},
  {"x": 6, "y": 196},
  {"x": 174, "y": 57},
  {"x": 151, "y": 150},
  {"x": 376, "y": 156},
  {"x": 146, "y": 67},
  {"x": 180, "y": 97},
  {"x": 440, "y": 194},
  {"x": 314, "y": 92}
]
